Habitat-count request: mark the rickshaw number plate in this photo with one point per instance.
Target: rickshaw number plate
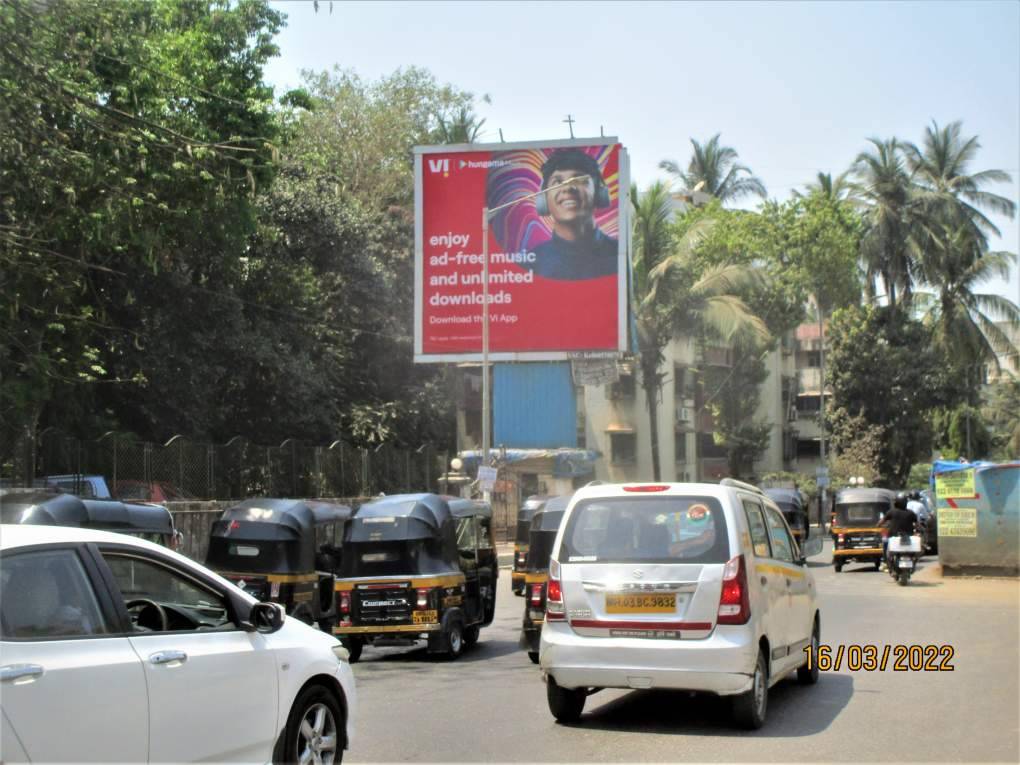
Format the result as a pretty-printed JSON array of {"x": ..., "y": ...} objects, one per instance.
[
  {"x": 424, "y": 617},
  {"x": 641, "y": 604}
]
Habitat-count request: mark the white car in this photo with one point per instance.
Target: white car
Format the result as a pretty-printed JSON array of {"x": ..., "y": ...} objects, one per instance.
[
  {"x": 115, "y": 649},
  {"x": 690, "y": 586}
]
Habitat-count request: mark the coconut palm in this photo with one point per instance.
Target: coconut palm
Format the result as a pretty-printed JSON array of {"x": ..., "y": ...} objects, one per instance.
[
  {"x": 883, "y": 190},
  {"x": 674, "y": 298},
  {"x": 948, "y": 189},
  {"x": 716, "y": 167},
  {"x": 965, "y": 321},
  {"x": 461, "y": 127},
  {"x": 837, "y": 189}
]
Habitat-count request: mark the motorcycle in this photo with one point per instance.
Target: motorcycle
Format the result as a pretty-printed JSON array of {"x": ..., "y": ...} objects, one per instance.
[{"x": 904, "y": 553}]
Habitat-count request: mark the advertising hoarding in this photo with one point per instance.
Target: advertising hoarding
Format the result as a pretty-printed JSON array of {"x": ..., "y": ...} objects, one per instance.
[{"x": 557, "y": 260}]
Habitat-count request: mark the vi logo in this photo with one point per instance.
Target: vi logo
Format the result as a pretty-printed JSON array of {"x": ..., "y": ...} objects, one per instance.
[{"x": 440, "y": 166}]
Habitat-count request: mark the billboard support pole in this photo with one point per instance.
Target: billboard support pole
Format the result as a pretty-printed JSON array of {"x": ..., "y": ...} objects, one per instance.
[{"x": 486, "y": 435}]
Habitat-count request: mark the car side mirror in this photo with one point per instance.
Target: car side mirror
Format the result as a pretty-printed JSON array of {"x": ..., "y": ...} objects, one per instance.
[{"x": 266, "y": 618}]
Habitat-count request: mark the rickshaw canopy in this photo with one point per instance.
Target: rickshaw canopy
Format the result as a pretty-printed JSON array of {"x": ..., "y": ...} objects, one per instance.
[{"x": 59, "y": 509}]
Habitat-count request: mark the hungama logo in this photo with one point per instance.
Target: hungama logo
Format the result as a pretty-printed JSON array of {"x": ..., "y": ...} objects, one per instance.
[{"x": 440, "y": 166}]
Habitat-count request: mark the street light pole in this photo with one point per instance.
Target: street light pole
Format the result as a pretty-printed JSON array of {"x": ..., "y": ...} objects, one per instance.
[{"x": 486, "y": 214}]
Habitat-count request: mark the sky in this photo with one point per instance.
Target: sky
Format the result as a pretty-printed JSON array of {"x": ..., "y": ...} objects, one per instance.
[{"x": 796, "y": 88}]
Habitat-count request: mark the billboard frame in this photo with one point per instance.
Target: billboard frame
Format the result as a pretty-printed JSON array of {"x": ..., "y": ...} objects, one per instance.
[{"x": 622, "y": 298}]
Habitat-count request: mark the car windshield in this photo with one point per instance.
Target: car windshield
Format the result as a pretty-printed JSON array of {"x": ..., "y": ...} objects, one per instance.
[
  {"x": 861, "y": 513},
  {"x": 669, "y": 529}
]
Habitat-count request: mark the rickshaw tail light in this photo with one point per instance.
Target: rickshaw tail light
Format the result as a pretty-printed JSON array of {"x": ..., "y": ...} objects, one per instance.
[
  {"x": 423, "y": 597},
  {"x": 344, "y": 602},
  {"x": 536, "y": 595},
  {"x": 734, "y": 604}
]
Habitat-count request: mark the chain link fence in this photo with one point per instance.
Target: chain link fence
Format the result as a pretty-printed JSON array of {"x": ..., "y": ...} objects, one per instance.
[{"x": 190, "y": 469}]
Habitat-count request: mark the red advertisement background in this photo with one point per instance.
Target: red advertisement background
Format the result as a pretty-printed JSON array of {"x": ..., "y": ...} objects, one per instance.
[{"x": 545, "y": 315}]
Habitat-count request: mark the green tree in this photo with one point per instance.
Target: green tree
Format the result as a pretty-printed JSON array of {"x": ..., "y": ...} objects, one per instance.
[
  {"x": 838, "y": 189},
  {"x": 886, "y": 371},
  {"x": 135, "y": 137},
  {"x": 1002, "y": 413},
  {"x": 677, "y": 297},
  {"x": 714, "y": 169},
  {"x": 884, "y": 189}
]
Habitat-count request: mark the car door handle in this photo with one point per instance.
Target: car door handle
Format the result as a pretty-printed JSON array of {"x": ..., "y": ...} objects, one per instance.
[
  {"x": 168, "y": 657},
  {"x": 24, "y": 672}
]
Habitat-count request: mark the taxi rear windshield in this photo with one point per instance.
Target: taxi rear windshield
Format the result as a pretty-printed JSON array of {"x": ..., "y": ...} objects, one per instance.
[{"x": 668, "y": 529}]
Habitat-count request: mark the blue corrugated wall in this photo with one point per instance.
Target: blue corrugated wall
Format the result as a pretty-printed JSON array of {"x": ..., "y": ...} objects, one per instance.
[{"x": 534, "y": 406}]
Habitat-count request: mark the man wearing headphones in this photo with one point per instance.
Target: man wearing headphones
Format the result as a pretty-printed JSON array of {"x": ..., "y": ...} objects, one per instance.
[{"x": 578, "y": 248}]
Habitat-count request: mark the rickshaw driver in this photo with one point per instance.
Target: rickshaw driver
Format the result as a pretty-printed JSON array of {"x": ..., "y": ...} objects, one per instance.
[{"x": 900, "y": 522}]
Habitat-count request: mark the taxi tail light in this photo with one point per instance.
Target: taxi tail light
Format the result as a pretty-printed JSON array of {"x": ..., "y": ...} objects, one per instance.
[
  {"x": 734, "y": 604},
  {"x": 554, "y": 610},
  {"x": 536, "y": 594},
  {"x": 343, "y": 602},
  {"x": 423, "y": 597}
]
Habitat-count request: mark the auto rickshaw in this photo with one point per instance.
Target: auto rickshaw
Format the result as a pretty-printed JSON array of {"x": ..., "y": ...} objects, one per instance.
[
  {"x": 52, "y": 508},
  {"x": 417, "y": 567},
  {"x": 269, "y": 548},
  {"x": 531, "y": 505},
  {"x": 856, "y": 535},
  {"x": 542, "y": 533},
  {"x": 794, "y": 508}
]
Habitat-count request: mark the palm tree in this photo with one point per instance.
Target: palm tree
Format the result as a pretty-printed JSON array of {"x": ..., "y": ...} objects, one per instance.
[
  {"x": 948, "y": 188},
  {"x": 674, "y": 299},
  {"x": 965, "y": 320},
  {"x": 462, "y": 127},
  {"x": 884, "y": 190},
  {"x": 837, "y": 189},
  {"x": 716, "y": 167}
]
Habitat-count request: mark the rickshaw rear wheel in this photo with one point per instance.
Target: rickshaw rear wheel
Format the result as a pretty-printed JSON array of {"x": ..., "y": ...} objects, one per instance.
[
  {"x": 878, "y": 564},
  {"x": 533, "y": 655},
  {"x": 566, "y": 704},
  {"x": 353, "y": 646},
  {"x": 471, "y": 634},
  {"x": 454, "y": 639},
  {"x": 839, "y": 566}
]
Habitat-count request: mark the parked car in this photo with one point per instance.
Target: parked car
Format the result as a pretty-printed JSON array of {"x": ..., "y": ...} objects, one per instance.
[
  {"x": 116, "y": 649},
  {"x": 149, "y": 491},
  {"x": 689, "y": 586},
  {"x": 85, "y": 486}
]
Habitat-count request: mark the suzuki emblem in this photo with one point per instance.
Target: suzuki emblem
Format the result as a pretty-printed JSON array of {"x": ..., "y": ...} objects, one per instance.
[{"x": 638, "y": 573}]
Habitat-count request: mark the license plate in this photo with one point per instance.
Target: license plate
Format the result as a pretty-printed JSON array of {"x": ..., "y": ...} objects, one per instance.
[
  {"x": 641, "y": 604},
  {"x": 424, "y": 617},
  {"x": 905, "y": 564}
]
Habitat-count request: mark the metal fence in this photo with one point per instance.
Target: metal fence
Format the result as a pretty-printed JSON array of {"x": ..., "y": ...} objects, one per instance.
[{"x": 232, "y": 470}]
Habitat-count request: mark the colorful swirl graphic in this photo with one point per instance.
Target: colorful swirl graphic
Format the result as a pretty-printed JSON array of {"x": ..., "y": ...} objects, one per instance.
[{"x": 516, "y": 174}]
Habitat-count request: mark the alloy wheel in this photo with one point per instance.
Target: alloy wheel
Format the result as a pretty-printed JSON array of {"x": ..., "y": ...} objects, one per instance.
[{"x": 317, "y": 736}]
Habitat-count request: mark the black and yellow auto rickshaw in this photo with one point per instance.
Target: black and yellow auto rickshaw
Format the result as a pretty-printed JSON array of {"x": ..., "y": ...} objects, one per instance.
[
  {"x": 51, "y": 508},
  {"x": 542, "y": 533},
  {"x": 417, "y": 567},
  {"x": 531, "y": 506},
  {"x": 270, "y": 549},
  {"x": 856, "y": 535},
  {"x": 794, "y": 508}
]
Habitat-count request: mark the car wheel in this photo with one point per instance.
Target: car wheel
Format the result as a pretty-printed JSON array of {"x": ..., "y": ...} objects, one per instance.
[
  {"x": 878, "y": 565},
  {"x": 749, "y": 708},
  {"x": 353, "y": 646},
  {"x": 838, "y": 565},
  {"x": 471, "y": 635},
  {"x": 315, "y": 728},
  {"x": 808, "y": 674},
  {"x": 533, "y": 655},
  {"x": 454, "y": 639},
  {"x": 566, "y": 704}
]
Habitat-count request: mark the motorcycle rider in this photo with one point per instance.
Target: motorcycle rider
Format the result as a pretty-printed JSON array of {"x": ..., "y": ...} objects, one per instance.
[{"x": 900, "y": 522}]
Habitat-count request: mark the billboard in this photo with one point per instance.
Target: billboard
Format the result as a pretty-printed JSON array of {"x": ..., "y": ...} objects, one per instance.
[{"x": 557, "y": 258}]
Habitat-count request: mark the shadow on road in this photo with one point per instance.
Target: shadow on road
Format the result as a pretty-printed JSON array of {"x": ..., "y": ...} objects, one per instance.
[
  {"x": 793, "y": 710},
  {"x": 480, "y": 651}
]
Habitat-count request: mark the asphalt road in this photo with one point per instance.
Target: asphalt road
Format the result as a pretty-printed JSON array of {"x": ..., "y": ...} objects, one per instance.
[{"x": 490, "y": 706}]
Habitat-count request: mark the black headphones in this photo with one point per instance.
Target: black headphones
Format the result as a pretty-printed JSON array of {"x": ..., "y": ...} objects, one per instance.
[{"x": 601, "y": 197}]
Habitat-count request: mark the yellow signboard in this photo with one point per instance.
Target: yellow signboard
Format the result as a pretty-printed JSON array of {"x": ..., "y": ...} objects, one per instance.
[
  {"x": 960, "y": 522},
  {"x": 956, "y": 484}
]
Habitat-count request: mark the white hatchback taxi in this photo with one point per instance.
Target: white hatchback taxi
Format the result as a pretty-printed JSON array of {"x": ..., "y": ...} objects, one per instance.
[
  {"x": 699, "y": 587},
  {"x": 115, "y": 649}
]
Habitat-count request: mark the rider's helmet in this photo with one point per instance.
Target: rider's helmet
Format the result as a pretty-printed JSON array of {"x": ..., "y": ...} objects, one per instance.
[{"x": 900, "y": 502}]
